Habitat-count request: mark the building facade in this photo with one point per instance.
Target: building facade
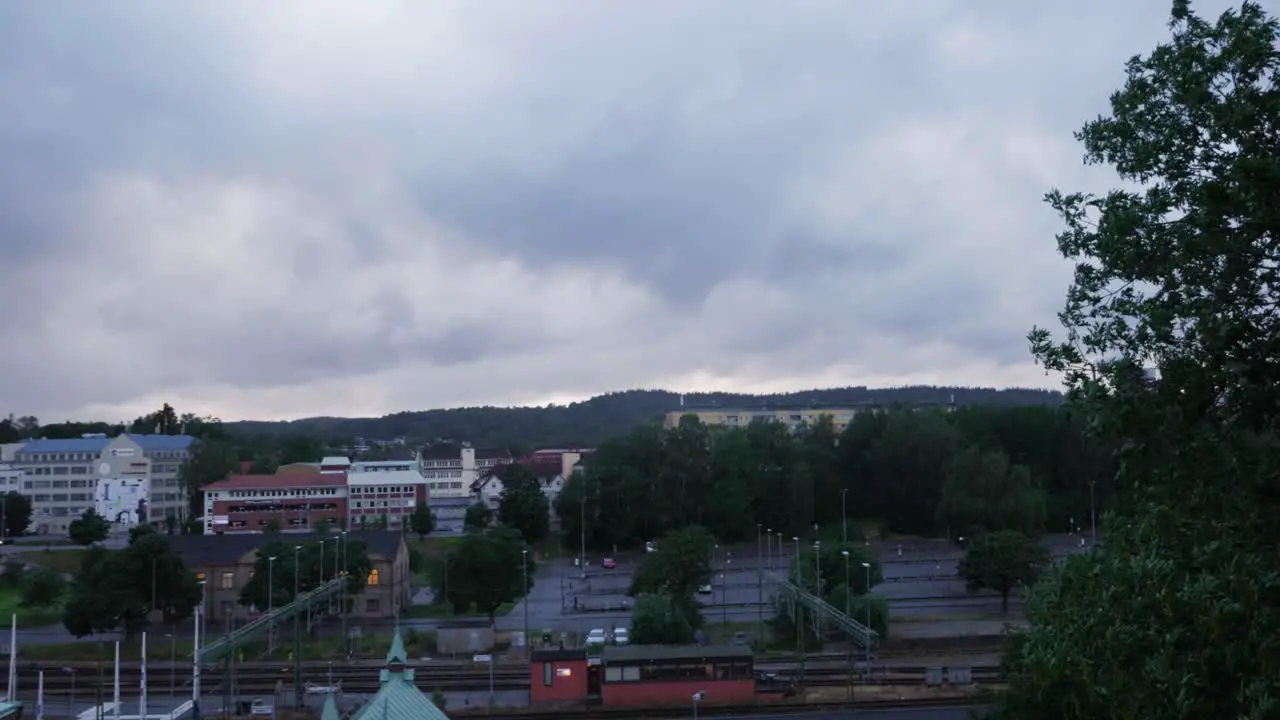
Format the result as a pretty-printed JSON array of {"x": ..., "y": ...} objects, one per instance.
[
  {"x": 226, "y": 564},
  {"x": 293, "y": 501},
  {"x": 548, "y": 469},
  {"x": 119, "y": 477},
  {"x": 452, "y": 470},
  {"x": 383, "y": 495},
  {"x": 793, "y": 417}
]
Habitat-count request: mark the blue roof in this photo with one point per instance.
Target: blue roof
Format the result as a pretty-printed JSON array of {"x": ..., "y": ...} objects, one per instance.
[{"x": 94, "y": 445}]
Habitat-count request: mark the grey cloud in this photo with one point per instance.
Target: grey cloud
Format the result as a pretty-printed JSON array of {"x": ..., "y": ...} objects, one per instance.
[{"x": 645, "y": 168}]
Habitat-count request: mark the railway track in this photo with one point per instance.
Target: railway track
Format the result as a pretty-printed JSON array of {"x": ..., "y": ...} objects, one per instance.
[
  {"x": 253, "y": 682},
  {"x": 743, "y": 711}
]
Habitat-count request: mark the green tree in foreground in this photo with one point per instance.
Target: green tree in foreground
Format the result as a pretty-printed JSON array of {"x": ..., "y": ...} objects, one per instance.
[
  {"x": 660, "y": 619},
  {"x": 1174, "y": 617},
  {"x": 116, "y": 589},
  {"x": 422, "y": 521},
  {"x": 485, "y": 570},
  {"x": 42, "y": 587},
  {"x": 89, "y": 528},
  {"x": 17, "y": 513},
  {"x": 984, "y": 492},
  {"x": 477, "y": 517},
  {"x": 1003, "y": 561},
  {"x": 680, "y": 566},
  {"x": 523, "y": 505}
]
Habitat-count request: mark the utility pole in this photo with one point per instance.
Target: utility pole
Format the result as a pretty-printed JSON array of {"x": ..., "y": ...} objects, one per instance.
[
  {"x": 1093, "y": 513},
  {"x": 844, "y": 514},
  {"x": 524, "y": 567},
  {"x": 760, "y": 585},
  {"x": 582, "y": 536},
  {"x": 297, "y": 632}
]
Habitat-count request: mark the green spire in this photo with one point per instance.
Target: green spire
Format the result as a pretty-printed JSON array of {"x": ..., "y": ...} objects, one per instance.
[
  {"x": 330, "y": 711},
  {"x": 397, "y": 655}
]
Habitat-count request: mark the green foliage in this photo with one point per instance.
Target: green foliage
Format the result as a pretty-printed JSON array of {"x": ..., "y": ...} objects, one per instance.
[
  {"x": 42, "y": 587},
  {"x": 422, "y": 521},
  {"x": 1002, "y": 561},
  {"x": 89, "y": 528},
  {"x": 14, "y": 571},
  {"x": 319, "y": 559},
  {"x": 591, "y": 422},
  {"x": 984, "y": 492},
  {"x": 115, "y": 589},
  {"x": 661, "y": 619},
  {"x": 1175, "y": 616},
  {"x": 485, "y": 570},
  {"x": 271, "y": 527},
  {"x": 523, "y": 505},
  {"x": 439, "y": 699},
  {"x": 681, "y": 564},
  {"x": 477, "y": 517},
  {"x": 16, "y": 515},
  {"x": 892, "y": 466},
  {"x": 835, "y": 567},
  {"x": 210, "y": 460}
]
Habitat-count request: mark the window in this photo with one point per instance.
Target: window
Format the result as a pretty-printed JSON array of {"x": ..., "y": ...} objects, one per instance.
[
  {"x": 373, "y": 577},
  {"x": 371, "y": 605},
  {"x": 228, "y": 580},
  {"x": 546, "y": 674},
  {"x": 200, "y": 576}
]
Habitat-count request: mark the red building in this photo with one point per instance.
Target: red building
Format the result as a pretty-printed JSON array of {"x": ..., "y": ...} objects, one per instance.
[
  {"x": 639, "y": 675},
  {"x": 559, "y": 676},
  {"x": 295, "y": 501}
]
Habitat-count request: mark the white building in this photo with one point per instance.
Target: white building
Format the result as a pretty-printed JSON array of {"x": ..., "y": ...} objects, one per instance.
[
  {"x": 451, "y": 470},
  {"x": 384, "y": 488},
  {"x": 62, "y": 476},
  {"x": 488, "y": 487}
]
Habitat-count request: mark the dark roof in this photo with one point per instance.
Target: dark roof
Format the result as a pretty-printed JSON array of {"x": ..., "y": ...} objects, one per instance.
[
  {"x": 493, "y": 454},
  {"x": 552, "y": 654},
  {"x": 279, "y": 480},
  {"x": 636, "y": 653},
  {"x": 205, "y": 550}
]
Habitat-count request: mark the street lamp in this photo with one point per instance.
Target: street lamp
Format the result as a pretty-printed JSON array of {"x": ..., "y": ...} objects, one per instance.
[
  {"x": 1093, "y": 514},
  {"x": 173, "y": 661},
  {"x": 71, "y": 702},
  {"x": 271, "y": 593},
  {"x": 582, "y": 535},
  {"x": 297, "y": 632},
  {"x": 844, "y": 515},
  {"x": 696, "y": 698},
  {"x": 848, "y": 588},
  {"x": 866, "y": 600},
  {"x": 524, "y": 567}
]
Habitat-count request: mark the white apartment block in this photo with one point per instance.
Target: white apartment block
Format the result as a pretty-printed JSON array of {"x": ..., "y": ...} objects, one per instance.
[
  {"x": 450, "y": 470},
  {"x": 61, "y": 476},
  {"x": 385, "y": 488}
]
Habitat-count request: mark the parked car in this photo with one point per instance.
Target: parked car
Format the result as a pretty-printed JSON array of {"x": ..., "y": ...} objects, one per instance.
[
  {"x": 651, "y": 546},
  {"x": 596, "y": 637},
  {"x": 621, "y": 636},
  {"x": 704, "y": 590},
  {"x": 610, "y": 563}
]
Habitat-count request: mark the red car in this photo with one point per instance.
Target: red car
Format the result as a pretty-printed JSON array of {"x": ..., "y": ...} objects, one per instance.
[{"x": 610, "y": 563}]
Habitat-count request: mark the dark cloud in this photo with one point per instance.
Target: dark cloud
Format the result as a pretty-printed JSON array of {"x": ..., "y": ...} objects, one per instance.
[{"x": 259, "y": 210}]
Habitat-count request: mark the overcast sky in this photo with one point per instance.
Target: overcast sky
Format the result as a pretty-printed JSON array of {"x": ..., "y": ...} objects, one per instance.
[{"x": 282, "y": 209}]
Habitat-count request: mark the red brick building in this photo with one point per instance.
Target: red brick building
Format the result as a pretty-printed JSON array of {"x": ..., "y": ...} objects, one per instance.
[{"x": 248, "y": 503}]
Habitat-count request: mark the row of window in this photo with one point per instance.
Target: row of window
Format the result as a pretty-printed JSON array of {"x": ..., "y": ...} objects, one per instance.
[
  {"x": 357, "y": 491},
  {"x": 73, "y": 484},
  {"x": 268, "y": 506},
  {"x": 738, "y": 669},
  {"x": 442, "y": 474},
  {"x": 90, "y": 456},
  {"x": 444, "y": 485},
  {"x": 383, "y": 503},
  {"x": 279, "y": 492}
]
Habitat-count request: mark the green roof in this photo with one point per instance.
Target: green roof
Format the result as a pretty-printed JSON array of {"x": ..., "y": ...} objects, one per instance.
[
  {"x": 399, "y": 700},
  {"x": 330, "y": 711},
  {"x": 397, "y": 655},
  {"x": 638, "y": 653}
]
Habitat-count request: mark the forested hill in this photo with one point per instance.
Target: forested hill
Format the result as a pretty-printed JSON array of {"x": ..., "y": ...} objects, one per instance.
[{"x": 589, "y": 422}]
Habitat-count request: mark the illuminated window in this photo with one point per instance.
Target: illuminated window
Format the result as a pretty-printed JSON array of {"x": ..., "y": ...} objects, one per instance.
[
  {"x": 228, "y": 580},
  {"x": 373, "y": 576},
  {"x": 564, "y": 672},
  {"x": 200, "y": 576}
]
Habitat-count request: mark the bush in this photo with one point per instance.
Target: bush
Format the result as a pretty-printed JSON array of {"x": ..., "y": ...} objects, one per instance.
[
  {"x": 14, "y": 571},
  {"x": 42, "y": 587}
]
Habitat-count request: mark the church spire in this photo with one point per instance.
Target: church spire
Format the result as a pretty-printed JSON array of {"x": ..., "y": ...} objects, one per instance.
[{"x": 397, "y": 658}]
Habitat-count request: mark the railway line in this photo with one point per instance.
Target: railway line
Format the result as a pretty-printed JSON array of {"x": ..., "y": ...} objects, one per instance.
[{"x": 454, "y": 679}]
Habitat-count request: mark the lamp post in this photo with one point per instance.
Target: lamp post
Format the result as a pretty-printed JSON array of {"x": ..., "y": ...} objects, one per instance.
[
  {"x": 848, "y": 593},
  {"x": 844, "y": 515},
  {"x": 817, "y": 589},
  {"x": 759, "y": 586},
  {"x": 867, "y": 602},
  {"x": 71, "y": 701},
  {"x": 1093, "y": 514},
  {"x": 524, "y": 567},
  {"x": 297, "y": 632},
  {"x": 173, "y": 661},
  {"x": 697, "y": 697},
  {"x": 271, "y": 597}
]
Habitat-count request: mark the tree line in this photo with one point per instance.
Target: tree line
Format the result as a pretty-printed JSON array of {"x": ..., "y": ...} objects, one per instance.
[{"x": 923, "y": 472}]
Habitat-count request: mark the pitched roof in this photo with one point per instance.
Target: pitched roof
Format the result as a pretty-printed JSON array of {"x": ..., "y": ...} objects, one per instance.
[
  {"x": 286, "y": 480},
  {"x": 207, "y": 550},
  {"x": 97, "y": 444},
  {"x": 330, "y": 711},
  {"x": 493, "y": 454},
  {"x": 398, "y": 699},
  {"x": 397, "y": 655}
]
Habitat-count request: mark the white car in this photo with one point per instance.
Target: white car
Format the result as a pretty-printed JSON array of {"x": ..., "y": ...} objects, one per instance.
[
  {"x": 704, "y": 590},
  {"x": 596, "y": 637},
  {"x": 651, "y": 546},
  {"x": 621, "y": 636}
]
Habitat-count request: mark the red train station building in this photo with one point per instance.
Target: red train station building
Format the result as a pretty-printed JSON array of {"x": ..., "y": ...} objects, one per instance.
[{"x": 646, "y": 675}]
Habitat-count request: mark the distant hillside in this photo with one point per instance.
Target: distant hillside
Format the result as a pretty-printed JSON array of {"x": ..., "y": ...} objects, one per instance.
[{"x": 592, "y": 421}]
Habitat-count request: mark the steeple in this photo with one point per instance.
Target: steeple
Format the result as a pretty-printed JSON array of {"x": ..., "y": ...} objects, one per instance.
[
  {"x": 397, "y": 659},
  {"x": 330, "y": 711}
]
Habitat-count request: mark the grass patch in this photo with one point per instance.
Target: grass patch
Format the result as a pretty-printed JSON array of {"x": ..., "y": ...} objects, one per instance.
[
  {"x": 64, "y": 561},
  {"x": 28, "y": 617},
  {"x": 727, "y": 633},
  {"x": 433, "y": 547},
  {"x": 440, "y": 610}
]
